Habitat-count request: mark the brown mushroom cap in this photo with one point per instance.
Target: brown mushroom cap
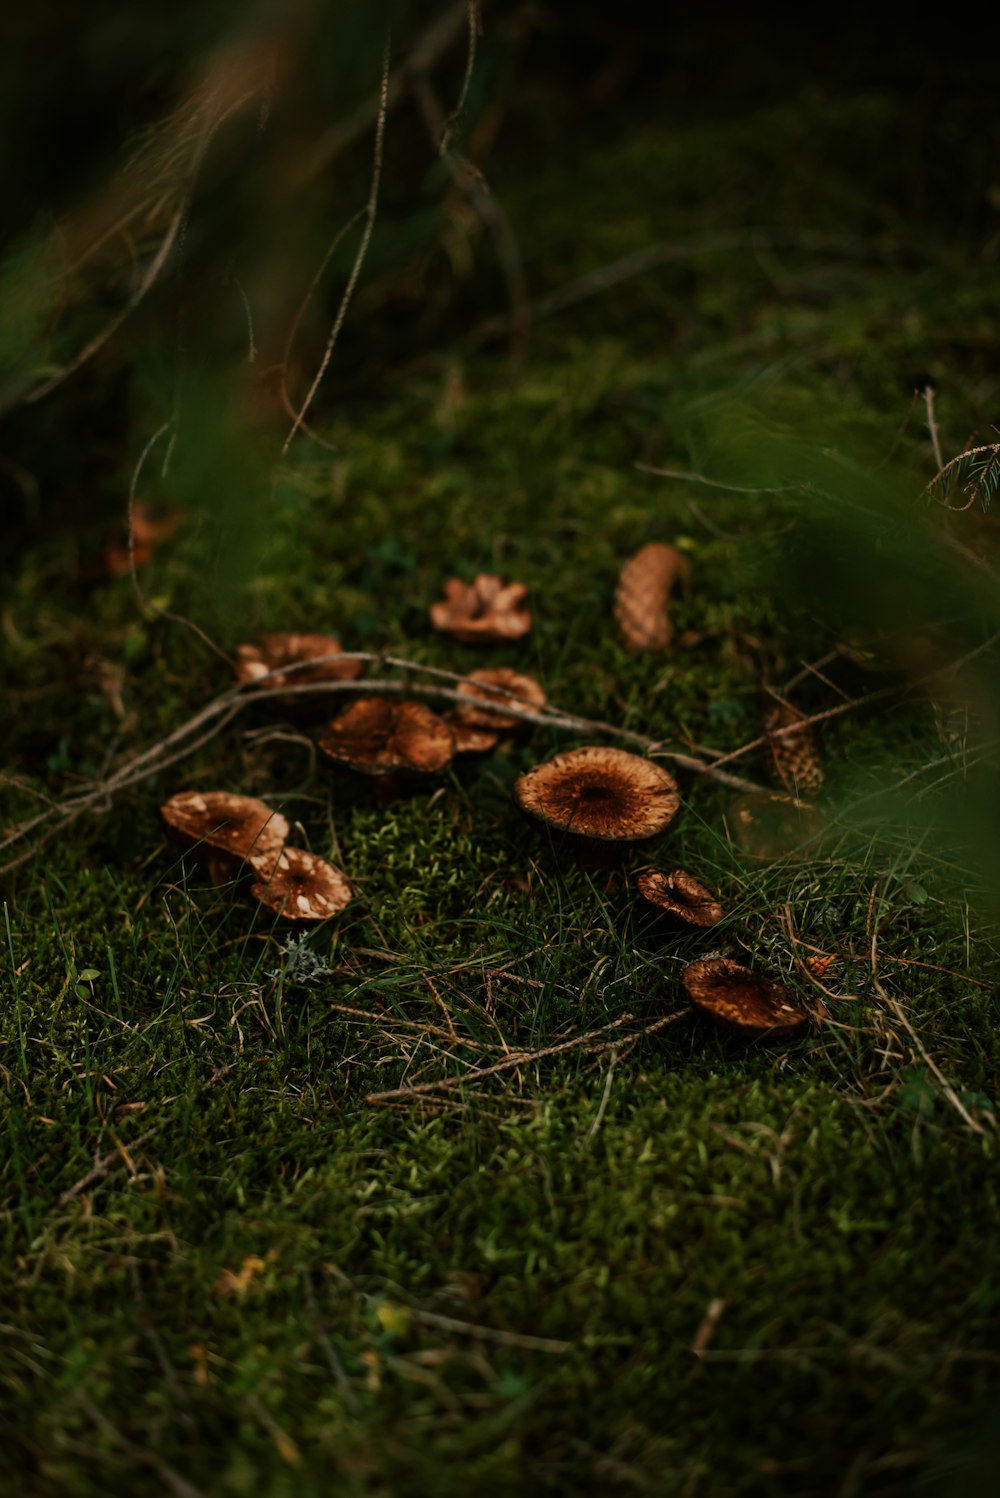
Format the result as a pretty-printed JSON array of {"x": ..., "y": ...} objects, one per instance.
[
  {"x": 382, "y": 737},
  {"x": 603, "y": 794},
  {"x": 485, "y": 610},
  {"x": 515, "y": 688},
  {"x": 731, "y": 992},
  {"x": 273, "y": 652},
  {"x": 241, "y": 826},
  {"x": 469, "y": 739},
  {"x": 681, "y": 895},
  {"x": 301, "y": 886},
  {"x": 768, "y": 825}
]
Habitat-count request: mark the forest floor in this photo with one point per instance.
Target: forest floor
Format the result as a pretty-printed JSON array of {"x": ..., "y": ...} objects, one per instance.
[{"x": 675, "y": 1262}]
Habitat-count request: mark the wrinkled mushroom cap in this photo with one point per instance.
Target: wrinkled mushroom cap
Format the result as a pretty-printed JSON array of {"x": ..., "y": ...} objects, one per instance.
[
  {"x": 731, "y": 992},
  {"x": 604, "y": 794},
  {"x": 273, "y": 652},
  {"x": 486, "y": 610},
  {"x": 382, "y": 737},
  {"x": 514, "y": 687},
  {"x": 241, "y": 826},
  {"x": 680, "y": 894},
  {"x": 469, "y": 739},
  {"x": 301, "y": 886}
]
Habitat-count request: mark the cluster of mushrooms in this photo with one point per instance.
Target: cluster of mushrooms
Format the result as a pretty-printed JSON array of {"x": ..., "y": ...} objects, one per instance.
[{"x": 592, "y": 797}]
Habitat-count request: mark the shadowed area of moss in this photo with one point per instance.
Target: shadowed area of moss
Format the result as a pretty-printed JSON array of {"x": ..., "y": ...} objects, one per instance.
[{"x": 225, "y": 1269}]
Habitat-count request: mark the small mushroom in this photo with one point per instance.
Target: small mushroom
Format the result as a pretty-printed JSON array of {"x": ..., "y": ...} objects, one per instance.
[
  {"x": 601, "y": 795},
  {"x": 242, "y": 827},
  {"x": 381, "y": 737},
  {"x": 300, "y": 886},
  {"x": 680, "y": 895},
  {"x": 285, "y": 654},
  {"x": 498, "y": 685},
  {"x": 731, "y": 992},
  {"x": 486, "y": 610},
  {"x": 469, "y": 739}
]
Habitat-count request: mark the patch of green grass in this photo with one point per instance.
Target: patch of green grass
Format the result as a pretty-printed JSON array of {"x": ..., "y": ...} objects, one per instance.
[{"x": 273, "y": 1285}]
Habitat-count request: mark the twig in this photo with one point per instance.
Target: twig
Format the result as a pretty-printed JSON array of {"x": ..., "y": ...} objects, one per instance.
[
  {"x": 217, "y": 714},
  {"x": 932, "y": 426},
  {"x": 429, "y": 47},
  {"x": 700, "y": 478},
  {"x": 490, "y": 1333},
  {"x": 359, "y": 259},
  {"x": 472, "y": 11},
  {"x": 525, "y": 1058}
]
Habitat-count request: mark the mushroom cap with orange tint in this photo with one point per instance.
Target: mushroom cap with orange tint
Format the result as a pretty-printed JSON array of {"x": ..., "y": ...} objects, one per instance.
[
  {"x": 487, "y": 610},
  {"x": 605, "y": 794},
  {"x": 469, "y": 739},
  {"x": 680, "y": 894},
  {"x": 281, "y": 651},
  {"x": 241, "y": 826},
  {"x": 514, "y": 688},
  {"x": 301, "y": 886},
  {"x": 753, "y": 1004},
  {"x": 379, "y": 736}
]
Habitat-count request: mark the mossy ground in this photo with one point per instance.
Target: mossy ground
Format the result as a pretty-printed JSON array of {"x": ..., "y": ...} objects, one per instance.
[{"x": 284, "y": 1289}]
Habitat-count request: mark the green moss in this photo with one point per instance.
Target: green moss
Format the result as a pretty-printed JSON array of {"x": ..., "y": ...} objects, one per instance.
[{"x": 278, "y": 1287}]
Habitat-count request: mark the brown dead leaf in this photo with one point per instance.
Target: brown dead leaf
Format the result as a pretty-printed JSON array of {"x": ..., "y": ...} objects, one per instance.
[{"x": 642, "y": 598}]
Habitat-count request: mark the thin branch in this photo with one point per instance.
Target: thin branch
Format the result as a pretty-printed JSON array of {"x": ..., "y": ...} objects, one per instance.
[
  {"x": 472, "y": 9},
  {"x": 932, "y": 426},
  {"x": 527, "y": 1058},
  {"x": 216, "y": 715},
  {"x": 362, "y": 251}
]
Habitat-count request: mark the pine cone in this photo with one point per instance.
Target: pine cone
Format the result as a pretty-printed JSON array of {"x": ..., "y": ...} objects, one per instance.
[{"x": 795, "y": 758}]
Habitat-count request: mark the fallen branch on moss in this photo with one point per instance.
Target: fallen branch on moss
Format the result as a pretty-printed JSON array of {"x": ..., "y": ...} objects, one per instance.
[{"x": 209, "y": 721}]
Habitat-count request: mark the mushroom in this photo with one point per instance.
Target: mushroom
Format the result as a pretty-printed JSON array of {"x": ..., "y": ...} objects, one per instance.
[
  {"x": 680, "y": 894},
  {"x": 485, "y": 610},
  {"x": 731, "y": 992},
  {"x": 300, "y": 886},
  {"x": 388, "y": 739},
  {"x": 600, "y": 795},
  {"x": 768, "y": 825},
  {"x": 469, "y": 739},
  {"x": 283, "y": 653},
  {"x": 242, "y": 827},
  {"x": 498, "y": 685}
]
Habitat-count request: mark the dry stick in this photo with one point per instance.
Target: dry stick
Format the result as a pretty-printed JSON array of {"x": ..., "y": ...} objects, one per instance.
[
  {"x": 932, "y": 426},
  {"x": 526, "y": 1058},
  {"x": 700, "y": 478},
  {"x": 227, "y": 706},
  {"x": 472, "y": 10},
  {"x": 429, "y": 47},
  {"x": 490, "y": 1333},
  {"x": 362, "y": 251}
]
